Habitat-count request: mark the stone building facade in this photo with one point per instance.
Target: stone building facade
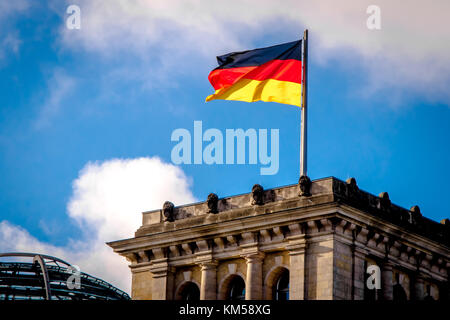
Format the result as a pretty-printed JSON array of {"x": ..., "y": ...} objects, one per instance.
[{"x": 314, "y": 240}]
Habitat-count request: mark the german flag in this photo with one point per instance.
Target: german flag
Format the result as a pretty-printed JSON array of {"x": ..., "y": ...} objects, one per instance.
[{"x": 265, "y": 74}]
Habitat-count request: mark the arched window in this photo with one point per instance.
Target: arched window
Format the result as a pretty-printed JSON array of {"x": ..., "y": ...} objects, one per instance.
[
  {"x": 236, "y": 289},
  {"x": 281, "y": 288},
  {"x": 190, "y": 292}
]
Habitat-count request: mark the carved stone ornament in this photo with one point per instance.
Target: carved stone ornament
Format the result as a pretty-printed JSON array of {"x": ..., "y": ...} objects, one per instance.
[
  {"x": 212, "y": 202},
  {"x": 416, "y": 215},
  {"x": 304, "y": 184},
  {"x": 416, "y": 211},
  {"x": 385, "y": 202},
  {"x": 352, "y": 187},
  {"x": 257, "y": 195},
  {"x": 168, "y": 211}
]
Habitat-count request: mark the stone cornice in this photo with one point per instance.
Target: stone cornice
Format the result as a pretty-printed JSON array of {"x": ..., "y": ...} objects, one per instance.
[
  {"x": 322, "y": 191},
  {"x": 282, "y": 220}
]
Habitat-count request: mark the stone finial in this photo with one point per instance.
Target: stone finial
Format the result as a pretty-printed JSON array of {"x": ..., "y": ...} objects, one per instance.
[
  {"x": 351, "y": 185},
  {"x": 304, "y": 184},
  {"x": 416, "y": 215},
  {"x": 415, "y": 210},
  {"x": 212, "y": 202},
  {"x": 385, "y": 202},
  {"x": 352, "y": 190},
  {"x": 257, "y": 195},
  {"x": 168, "y": 211}
]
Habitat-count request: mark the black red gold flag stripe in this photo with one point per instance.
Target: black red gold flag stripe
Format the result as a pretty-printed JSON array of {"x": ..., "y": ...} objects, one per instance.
[{"x": 271, "y": 74}]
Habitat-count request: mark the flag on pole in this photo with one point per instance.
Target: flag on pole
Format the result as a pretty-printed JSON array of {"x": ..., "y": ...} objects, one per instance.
[{"x": 272, "y": 74}]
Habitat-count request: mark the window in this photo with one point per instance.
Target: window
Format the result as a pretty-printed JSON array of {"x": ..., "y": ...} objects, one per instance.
[
  {"x": 190, "y": 292},
  {"x": 281, "y": 289},
  {"x": 236, "y": 289}
]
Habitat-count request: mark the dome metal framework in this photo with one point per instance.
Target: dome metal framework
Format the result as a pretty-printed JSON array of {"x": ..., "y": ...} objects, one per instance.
[{"x": 47, "y": 278}]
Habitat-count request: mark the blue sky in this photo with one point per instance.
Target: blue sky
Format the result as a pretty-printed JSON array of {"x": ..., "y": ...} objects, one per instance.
[{"x": 379, "y": 106}]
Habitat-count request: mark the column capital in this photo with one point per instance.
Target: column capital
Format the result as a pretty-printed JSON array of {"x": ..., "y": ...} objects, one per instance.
[
  {"x": 161, "y": 269},
  {"x": 387, "y": 265},
  {"x": 254, "y": 257},
  {"x": 297, "y": 246},
  {"x": 208, "y": 265},
  {"x": 419, "y": 278}
]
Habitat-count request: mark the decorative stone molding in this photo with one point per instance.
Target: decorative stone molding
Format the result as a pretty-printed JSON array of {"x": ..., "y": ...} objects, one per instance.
[
  {"x": 174, "y": 251},
  {"x": 278, "y": 233},
  {"x": 212, "y": 203},
  {"x": 382, "y": 244},
  {"x": 340, "y": 226},
  {"x": 265, "y": 234},
  {"x": 168, "y": 211},
  {"x": 394, "y": 248},
  {"x": 304, "y": 184},
  {"x": 326, "y": 225},
  {"x": 362, "y": 234},
  {"x": 295, "y": 229},
  {"x": 249, "y": 238},
  {"x": 426, "y": 260},
  {"x": 187, "y": 248},
  {"x": 131, "y": 257},
  {"x": 232, "y": 240},
  {"x": 220, "y": 243},
  {"x": 312, "y": 226},
  {"x": 202, "y": 245},
  {"x": 373, "y": 240},
  {"x": 159, "y": 253},
  {"x": 143, "y": 256},
  {"x": 404, "y": 253}
]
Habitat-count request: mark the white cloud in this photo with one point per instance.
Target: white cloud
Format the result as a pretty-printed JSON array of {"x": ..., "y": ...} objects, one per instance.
[
  {"x": 59, "y": 86},
  {"x": 411, "y": 51},
  {"x": 9, "y": 38},
  {"x": 8, "y": 8},
  {"x": 107, "y": 200}
]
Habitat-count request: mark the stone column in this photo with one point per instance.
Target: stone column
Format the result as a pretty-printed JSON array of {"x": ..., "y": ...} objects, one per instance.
[
  {"x": 253, "y": 283},
  {"x": 386, "y": 282},
  {"x": 162, "y": 284},
  {"x": 209, "y": 279},
  {"x": 359, "y": 273},
  {"x": 297, "y": 273}
]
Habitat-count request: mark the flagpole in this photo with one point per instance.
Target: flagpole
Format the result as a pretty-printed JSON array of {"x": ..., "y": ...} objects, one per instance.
[{"x": 303, "y": 123}]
